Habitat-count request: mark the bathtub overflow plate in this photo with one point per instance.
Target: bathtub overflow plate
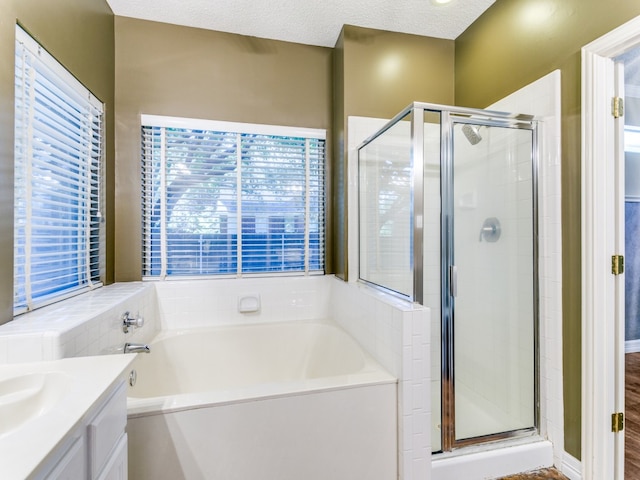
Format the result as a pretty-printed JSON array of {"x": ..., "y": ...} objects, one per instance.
[{"x": 133, "y": 377}]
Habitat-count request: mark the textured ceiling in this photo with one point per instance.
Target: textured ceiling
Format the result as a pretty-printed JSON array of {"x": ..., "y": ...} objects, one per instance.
[{"x": 313, "y": 22}]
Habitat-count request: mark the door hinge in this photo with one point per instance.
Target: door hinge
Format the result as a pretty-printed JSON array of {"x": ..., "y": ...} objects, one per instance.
[
  {"x": 617, "y": 107},
  {"x": 617, "y": 422},
  {"x": 617, "y": 264}
]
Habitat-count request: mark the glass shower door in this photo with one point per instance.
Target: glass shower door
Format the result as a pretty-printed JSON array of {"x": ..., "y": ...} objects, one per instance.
[
  {"x": 385, "y": 206},
  {"x": 491, "y": 277}
]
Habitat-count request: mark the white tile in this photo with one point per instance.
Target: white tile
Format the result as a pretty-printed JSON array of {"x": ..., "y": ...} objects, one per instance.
[
  {"x": 407, "y": 467},
  {"x": 420, "y": 395},
  {"x": 420, "y": 369},
  {"x": 405, "y": 394},
  {"x": 50, "y": 346},
  {"x": 407, "y": 363},
  {"x": 25, "y": 348},
  {"x": 418, "y": 323},
  {"x": 420, "y": 468},
  {"x": 4, "y": 349},
  {"x": 407, "y": 431}
]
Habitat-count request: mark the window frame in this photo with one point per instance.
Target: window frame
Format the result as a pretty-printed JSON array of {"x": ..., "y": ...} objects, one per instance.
[
  {"x": 236, "y": 128},
  {"x": 77, "y": 154}
]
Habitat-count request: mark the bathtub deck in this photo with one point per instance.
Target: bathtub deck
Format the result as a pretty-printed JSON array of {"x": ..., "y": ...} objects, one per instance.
[{"x": 538, "y": 475}]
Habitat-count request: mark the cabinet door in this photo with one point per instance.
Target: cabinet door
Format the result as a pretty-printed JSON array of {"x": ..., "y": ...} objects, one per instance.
[
  {"x": 106, "y": 429},
  {"x": 72, "y": 466},
  {"x": 116, "y": 467}
]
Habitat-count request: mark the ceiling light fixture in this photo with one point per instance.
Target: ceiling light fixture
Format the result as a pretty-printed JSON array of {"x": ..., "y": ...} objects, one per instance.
[{"x": 440, "y": 2}]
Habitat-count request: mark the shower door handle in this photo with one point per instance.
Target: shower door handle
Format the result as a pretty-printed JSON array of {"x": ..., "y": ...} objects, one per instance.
[{"x": 453, "y": 280}]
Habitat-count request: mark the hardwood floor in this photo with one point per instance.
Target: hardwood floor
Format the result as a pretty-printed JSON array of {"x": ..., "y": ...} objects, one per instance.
[
  {"x": 537, "y": 475},
  {"x": 632, "y": 416}
]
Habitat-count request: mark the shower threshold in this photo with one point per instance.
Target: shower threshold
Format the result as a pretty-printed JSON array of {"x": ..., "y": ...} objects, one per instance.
[{"x": 493, "y": 460}]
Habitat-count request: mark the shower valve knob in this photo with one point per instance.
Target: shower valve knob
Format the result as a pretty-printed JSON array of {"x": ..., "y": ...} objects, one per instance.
[
  {"x": 490, "y": 231},
  {"x": 128, "y": 321}
]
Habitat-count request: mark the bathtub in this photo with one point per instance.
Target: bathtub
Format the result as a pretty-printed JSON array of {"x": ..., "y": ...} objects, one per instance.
[{"x": 291, "y": 400}]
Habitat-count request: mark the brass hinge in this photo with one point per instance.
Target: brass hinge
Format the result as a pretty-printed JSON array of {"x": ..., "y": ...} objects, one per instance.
[
  {"x": 617, "y": 264},
  {"x": 617, "y": 107},
  {"x": 617, "y": 422}
]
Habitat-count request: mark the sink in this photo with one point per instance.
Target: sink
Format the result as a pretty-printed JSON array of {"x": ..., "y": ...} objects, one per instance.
[{"x": 25, "y": 397}]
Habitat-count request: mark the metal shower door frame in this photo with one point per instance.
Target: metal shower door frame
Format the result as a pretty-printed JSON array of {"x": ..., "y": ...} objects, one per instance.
[
  {"x": 449, "y": 116},
  {"x": 448, "y": 267}
]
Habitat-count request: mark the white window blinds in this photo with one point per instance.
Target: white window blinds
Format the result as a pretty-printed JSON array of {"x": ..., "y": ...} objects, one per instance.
[
  {"x": 58, "y": 153},
  {"x": 221, "y": 198}
]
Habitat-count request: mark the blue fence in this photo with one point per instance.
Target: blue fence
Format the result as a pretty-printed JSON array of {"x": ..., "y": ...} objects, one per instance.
[{"x": 217, "y": 254}]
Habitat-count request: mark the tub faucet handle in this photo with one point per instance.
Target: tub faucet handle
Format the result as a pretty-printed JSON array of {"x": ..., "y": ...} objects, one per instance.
[{"x": 128, "y": 321}]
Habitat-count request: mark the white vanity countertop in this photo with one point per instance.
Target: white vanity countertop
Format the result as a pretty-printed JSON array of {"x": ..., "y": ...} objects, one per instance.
[{"x": 65, "y": 389}]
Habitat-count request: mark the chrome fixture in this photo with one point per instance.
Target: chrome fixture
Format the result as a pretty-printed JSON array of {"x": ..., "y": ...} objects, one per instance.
[
  {"x": 472, "y": 132},
  {"x": 490, "y": 231},
  {"x": 133, "y": 377},
  {"x": 136, "y": 348},
  {"x": 128, "y": 321}
]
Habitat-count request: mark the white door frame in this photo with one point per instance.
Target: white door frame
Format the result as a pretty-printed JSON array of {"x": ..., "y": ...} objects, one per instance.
[{"x": 602, "y": 331}]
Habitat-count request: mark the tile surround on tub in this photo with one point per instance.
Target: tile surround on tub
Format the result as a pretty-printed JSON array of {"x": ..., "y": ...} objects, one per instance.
[
  {"x": 281, "y": 299},
  {"x": 396, "y": 333},
  {"x": 88, "y": 324}
]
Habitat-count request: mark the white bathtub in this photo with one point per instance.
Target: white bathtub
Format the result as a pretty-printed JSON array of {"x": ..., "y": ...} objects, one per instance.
[{"x": 291, "y": 400}]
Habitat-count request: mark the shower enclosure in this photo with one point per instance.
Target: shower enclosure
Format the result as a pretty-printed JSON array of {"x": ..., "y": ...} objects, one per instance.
[{"x": 447, "y": 219}]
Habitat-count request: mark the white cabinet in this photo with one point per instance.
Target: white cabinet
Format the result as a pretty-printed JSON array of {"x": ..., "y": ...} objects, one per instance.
[
  {"x": 73, "y": 464},
  {"x": 97, "y": 449},
  {"x": 106, "y": 429},
  {"x": 117, "y": 466}
]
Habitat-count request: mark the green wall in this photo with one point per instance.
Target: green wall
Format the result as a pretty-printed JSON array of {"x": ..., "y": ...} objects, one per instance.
[
  {"x": 337, "y": 171},
  {"x": 79, "y": 33},
  {"x": 514, "y": 43},
  {"x": 178, "y": 71},
  {"x": 376, "y": 74}
]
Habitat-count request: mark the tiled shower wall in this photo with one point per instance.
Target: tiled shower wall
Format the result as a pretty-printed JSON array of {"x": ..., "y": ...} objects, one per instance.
[
  {"x": 542, "y": 98},
  {"x": 494, "y": 348}
]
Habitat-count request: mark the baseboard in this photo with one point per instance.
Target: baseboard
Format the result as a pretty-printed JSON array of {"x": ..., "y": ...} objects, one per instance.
[
  {"x": 571, "y": 467},
  {"x": 631, "y": 346}
]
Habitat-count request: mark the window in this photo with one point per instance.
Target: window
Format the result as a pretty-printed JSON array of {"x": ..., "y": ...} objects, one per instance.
[
  {"x": 228, "y": 199},
  {"x": 58, "y": 151}
]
